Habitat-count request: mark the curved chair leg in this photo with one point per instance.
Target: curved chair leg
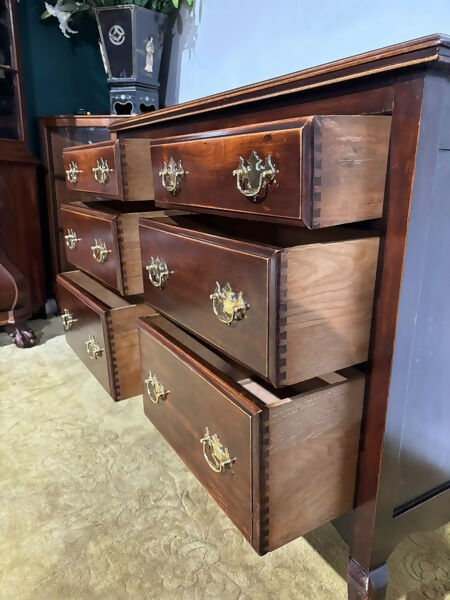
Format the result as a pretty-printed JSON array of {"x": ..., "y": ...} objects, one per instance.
[{"x": 366, "y": 585}]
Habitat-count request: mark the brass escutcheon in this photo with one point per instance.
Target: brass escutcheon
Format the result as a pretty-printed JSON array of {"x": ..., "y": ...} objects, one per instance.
[
  {"x": 67, "y": 319},
  {"x": 158, "y": 272},
  {"x": 217, "y": 457},
  {"x": 155, "y": 388},
  {"x": 172, "y": 174},
  {"x": 100, "y": 252},
  {"x": 72, "y": 172},
  {"x": 71, "y": 239},
  {"x": 254, "y": 177},
  {"x": 228, "y": 306},
  {"x": 102, "y": 171},
  {"x": 93, "y": 349}
]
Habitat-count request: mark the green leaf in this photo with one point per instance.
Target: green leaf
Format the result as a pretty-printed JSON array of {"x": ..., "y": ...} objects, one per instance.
[{"x": 175, "y": 3}]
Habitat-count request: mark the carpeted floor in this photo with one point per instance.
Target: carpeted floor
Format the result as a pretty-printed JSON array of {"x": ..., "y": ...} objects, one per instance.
[{"x": 95, "y": 505}]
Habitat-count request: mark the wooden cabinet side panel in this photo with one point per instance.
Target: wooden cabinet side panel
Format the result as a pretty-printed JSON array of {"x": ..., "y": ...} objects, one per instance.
[
  {"x": 350, "y": 166},
  {"x": 312, "y": 451},
  {"x": 130, "y": 252},
  {"x": 137, "y": 174},
  {"x": 125, "y": 355},
  {"x": 327, "y": 300}
]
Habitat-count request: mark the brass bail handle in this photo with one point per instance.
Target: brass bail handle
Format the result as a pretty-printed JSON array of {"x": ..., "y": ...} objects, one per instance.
[
  {"x": 228, "y": 305},
  {"x": 100, "y": 252},
  {"x": 67, "y": 319},
  {"x": 158, "y": 272},
  {"x": 93, "y": 350},
  {"x": 216, "y": 455},
  {"x": 172, "y": 174},
  {"x": 155, "y": 388},
  {"x": 255, "y": 176},
  {"x": 71, "y": 239},
  {"x": 102, "y": 171},
  {"x": 72, "y": 172}
]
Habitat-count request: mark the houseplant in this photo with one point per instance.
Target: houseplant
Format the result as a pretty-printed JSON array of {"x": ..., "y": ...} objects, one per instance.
[{"x": 131, "y": 42}]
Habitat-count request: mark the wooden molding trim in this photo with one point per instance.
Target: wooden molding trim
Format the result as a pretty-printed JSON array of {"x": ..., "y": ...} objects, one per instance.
[{"x": 423, "y": 50}]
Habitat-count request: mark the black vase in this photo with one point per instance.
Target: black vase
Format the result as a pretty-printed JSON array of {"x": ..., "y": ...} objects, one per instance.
[{"x": 131, "y": 42}]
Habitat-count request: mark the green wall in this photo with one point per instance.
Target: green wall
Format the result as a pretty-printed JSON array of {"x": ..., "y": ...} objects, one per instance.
[{"x": 60, "y": 75}]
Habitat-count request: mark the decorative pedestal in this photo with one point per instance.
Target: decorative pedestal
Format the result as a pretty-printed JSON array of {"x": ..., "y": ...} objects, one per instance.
[{"x": 133, "y": 99}]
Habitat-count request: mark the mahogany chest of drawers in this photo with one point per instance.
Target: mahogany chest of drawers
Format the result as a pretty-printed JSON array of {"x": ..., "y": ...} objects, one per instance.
[
  {"x": 101, "y": 328},
  {"x": 298, "y": 367}
]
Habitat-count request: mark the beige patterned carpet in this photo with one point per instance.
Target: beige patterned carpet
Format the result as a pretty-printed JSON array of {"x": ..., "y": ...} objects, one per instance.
[{"x": 94, "y": 505}]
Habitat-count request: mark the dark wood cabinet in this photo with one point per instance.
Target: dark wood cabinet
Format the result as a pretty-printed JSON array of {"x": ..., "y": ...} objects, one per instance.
[
  {"x": 22, "y": 281},
  {"x": 402, "y": 480},
  {"x": 57, "y": 133}
]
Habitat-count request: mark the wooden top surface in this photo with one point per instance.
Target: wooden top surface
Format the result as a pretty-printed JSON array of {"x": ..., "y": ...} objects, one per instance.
[{"x": 429, "y": 49}]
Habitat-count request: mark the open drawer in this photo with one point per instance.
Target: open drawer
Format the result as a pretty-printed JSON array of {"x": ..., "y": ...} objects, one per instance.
[
  {"x": 314, "y": 171},
  {"x": 102, "y": 239},
  {"x": 116, "y": 169},
  {"x": 286, "y": 302},
  {"x": 278, "y": 462},
  {"x": 101, "y": 328}
]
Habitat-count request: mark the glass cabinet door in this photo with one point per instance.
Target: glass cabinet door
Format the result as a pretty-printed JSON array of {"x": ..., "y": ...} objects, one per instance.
[{"x": 9, "y": 79}]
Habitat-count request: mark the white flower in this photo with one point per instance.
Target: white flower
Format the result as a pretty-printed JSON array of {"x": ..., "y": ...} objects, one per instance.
[{"x": 62, "y": 16}]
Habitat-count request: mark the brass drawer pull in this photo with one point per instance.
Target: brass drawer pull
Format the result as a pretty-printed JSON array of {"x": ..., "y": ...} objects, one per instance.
[
  {"x": 100, "y": 252},
  {"x": 217, "y": 457},
  {"x": 71, "y": 239},
  {"x": 172, "y": 174},
  {"x": 255, "y": 176},
  {"x": 102, "y": 171},
  {"x": 158, "y": 272},
  {"x": 155, "y": 388},
  {"x": 72, "y": 172},
  {"x": 93, "y": 349},
  {"x": 228, "y": 306},
  {"x": 67, "y": 319}
]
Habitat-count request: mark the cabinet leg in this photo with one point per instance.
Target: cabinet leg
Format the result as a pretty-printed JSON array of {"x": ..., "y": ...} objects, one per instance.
[{"x": 366, "y": 585}]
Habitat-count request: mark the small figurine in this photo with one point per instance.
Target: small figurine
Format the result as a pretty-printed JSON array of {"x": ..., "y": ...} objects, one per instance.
[{"x": 149, "y": 49}]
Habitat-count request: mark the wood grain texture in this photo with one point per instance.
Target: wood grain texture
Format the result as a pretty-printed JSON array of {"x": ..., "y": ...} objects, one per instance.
[
  {"x": 349, "y": 168},
  {"x": 311, "y": 461},
  {"x": 326, "y": 307},
  {"x": 298, "y": 445},
  {"x": 113, "y": 322},
  {"x": 310, "y": 297},
  {"x": 129, "y": 160},
  {"x": 137, "y": 175},
  {"x": 198, "y": 398},
  {"x": 384, "y": 61},
  {"x": 117, "y": 226},
  {"x": 56, "y": 133},
  {"x": 330, "y": 170}
]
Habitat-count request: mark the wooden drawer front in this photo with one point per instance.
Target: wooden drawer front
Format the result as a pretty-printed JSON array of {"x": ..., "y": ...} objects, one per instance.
[
  {"x": 295, "y": 450},
  {"x": 90, "y": 323},
  {"x": 320, "y": 171},
  {"x": 122, "y": 167},
  {"x": 80, "y": 162},
  {"x": 197, "y": 400},
  {"x": 92, "y": 243},
  {"x": 307, "y": 310},
  {"x": 196, "y": 264}
]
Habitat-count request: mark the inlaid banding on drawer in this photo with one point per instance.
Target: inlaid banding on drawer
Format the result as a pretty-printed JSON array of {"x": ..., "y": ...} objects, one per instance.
[
  {"x": 101, "y": 328},
  {"x": 258, "y": 451},
  {"x": 294, "y": 307},
  {"x": 103, "y": 241},
  {"x": 316, "y": 171},
  {"x": 115, "y": 169}
]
